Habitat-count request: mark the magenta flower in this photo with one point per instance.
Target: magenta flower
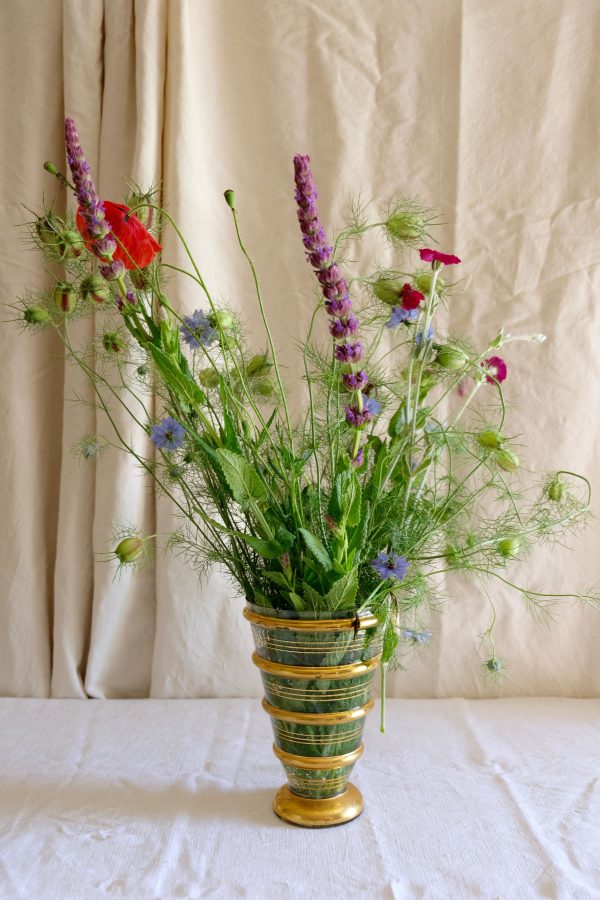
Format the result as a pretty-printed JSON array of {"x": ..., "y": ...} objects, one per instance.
[
  {"x": 497, "y": 369},
  {"x": 428, "y": 255},
  {"x": 410, "y": 297},
  {"x": 355, "y": 381},
  {"x": 343, "y": 328}
]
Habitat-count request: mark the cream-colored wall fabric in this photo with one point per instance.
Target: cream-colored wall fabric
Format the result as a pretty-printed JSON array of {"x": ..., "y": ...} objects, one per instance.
[{"x": 487, "y": 109}]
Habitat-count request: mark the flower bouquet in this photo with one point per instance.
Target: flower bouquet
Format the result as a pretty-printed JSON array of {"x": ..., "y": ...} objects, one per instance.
[{"x": 335, "y": 526}]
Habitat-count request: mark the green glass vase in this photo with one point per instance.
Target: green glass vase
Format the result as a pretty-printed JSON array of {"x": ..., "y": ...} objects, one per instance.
[{"x": 317, "y": 675}]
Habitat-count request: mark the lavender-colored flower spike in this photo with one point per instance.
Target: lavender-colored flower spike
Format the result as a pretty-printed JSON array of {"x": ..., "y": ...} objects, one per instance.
[{"x": 90, "y": 205}]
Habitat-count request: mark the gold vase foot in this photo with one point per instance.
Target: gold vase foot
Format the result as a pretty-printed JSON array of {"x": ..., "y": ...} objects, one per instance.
[{"x": 318, "y": 813}]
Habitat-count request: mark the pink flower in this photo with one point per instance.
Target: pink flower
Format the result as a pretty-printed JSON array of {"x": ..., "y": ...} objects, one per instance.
[
  {"x": 497, "y": 369},
  {"x": 410, "y": 298},
  {"x": 446, "y": 259}
]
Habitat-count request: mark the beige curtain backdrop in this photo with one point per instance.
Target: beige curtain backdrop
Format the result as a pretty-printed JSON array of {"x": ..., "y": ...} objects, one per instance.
[{"x": 486, "y": 109}]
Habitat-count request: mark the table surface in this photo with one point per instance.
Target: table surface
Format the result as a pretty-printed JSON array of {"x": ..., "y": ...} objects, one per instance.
[{"x": 172, "y": 799}]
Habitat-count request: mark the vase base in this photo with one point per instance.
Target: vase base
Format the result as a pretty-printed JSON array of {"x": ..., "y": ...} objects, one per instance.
[{"x": 318, "y": 813}]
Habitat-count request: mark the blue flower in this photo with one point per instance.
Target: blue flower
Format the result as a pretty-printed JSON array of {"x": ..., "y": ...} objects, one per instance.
[
  {"x": 419, "y": 336},
  {"x": 169, "y": 435},
  {"x": 390, "y": 566},
  {"x": 371, "y": 405},
  {"x": 399, "y": 315},
  {"x": 417, "y": 637},
  {"x": 197, "y": 330}
]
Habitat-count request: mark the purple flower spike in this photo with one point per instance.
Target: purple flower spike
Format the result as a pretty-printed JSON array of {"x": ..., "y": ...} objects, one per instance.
[
  {"x": 359, "y": 459},
  {"x": 90, "y": 205},
  {"x": 358, "y": 418},
  {"x": 355, "y": 381},
  {"x": 343, "y": 328},
  {"x": 349, "y": 353}
]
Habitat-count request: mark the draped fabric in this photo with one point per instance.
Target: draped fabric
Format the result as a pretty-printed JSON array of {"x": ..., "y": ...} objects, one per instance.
[{"x": 485, "y": 109}]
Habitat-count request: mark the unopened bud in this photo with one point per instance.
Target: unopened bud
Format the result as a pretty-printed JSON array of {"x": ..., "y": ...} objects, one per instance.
[
  {"x": 113, "y": 342},
  {"x": 510, "y": 546},
  {"x": 221, "y": 319},
  {"x": 507, "y": 460},
  {"x": 423, "y": 280},
  {"x": 50, "y": 167},
  {"x": 556, "y": 490},
  {"x": 229, "y": 198},
  {"x": 265, "y": 387},
  {"x": 65, "y": 296},
  {"x": 48, "y": 228},
  {"x": 490, "y": 440},
  {"x": 388, "y": 290},
  {"x": 405, "y": 226},
  {"x": 94, "y": 288},
  {"x": 451, "y": 358},
  {"x": 70, "y": 244},
  {"x": 209, "y": 378},
  {"x": 36, "y": 315},
  {"x": 494, "y": 664},
  {"x": 130, "y": 550}
]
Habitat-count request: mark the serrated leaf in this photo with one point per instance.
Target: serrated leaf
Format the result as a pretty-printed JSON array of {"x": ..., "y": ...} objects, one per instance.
[
  {"x": 244, "y": 481},
  {"x": 315, "y": 600},
  {"x": 298, "y": 602},
  {"x": 181, "y": 384},
  {"x": 343, "y": 593},
  {"x": 316, "y": 548},
  {"x": 268, "y": 549},
  {"x": 353, "y": 517},
  {"x": 277, "y": 578}
]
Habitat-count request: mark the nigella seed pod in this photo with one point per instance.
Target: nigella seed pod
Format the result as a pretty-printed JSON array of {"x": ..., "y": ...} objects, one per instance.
[
  {"x": 490, "y": 440},
  {"x": 405, "y": 226},
  {"x": 507, "y": 460},
  {"x": 130, "y": 550},
  {"x": 388, "y": 290},
  {"x": 48, "y": 228},
  {"x": 94, "y": 288},
  {"x": 259, "y": 366},
  {"x": 451, "y": 358},
  {"x": 229, "y": 198},
  {"x": 36, "y": 315},
  {"x": 113, "y": 342},
  {"x": 556, "y": 490},
  {"x": 509, "y": 547},
  {"x": 69, "y": 245},
  {"x": 422, "y": 282},
  {"x": 65, "y": 296},
  {"x": 494, "y": 664},
  {"x": 142, "y": 370},
  {"x": 221, "y": 319},
  {"x": 264, "y": 387},
  {"x": 209, "y": 378}
]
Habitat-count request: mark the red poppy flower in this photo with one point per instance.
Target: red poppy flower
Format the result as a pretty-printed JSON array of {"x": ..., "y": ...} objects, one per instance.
[
  {"x": 410, "y": 297},
  {"x": 497, "y": 368},
  {"x": 447, "y": 259},
  {"x": 136, "y": 248}
]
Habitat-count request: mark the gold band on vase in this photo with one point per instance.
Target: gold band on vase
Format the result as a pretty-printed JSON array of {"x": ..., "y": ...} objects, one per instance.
[
  {"x": 330, "y": 718},
  {"x": 318, "y": 762},
  {"x": 358, "y": 623},
  {"x": 327, "y": 673}
]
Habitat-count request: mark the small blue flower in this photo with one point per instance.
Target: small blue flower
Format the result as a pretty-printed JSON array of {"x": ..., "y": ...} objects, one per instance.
[
  {"x": 419, "y": 336},
  {"x": 197, "y": 330},
  {"x": 390, "y": 566},
  {"x": 417, "y": 637},
  {"x": 399, "y": 315},
  {"x": 168, "y": 435},
  {"x": 371, "y": 405}
]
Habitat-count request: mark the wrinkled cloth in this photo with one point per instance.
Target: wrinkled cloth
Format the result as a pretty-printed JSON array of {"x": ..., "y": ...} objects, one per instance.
[
  {"x": 172, "y": 799},
  {"x": 486, "y": 109}
]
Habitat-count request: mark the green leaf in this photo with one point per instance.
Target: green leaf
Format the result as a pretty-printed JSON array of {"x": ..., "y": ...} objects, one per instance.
[
  {"x": 316, "y": 548},
  {"x": 277, "y": 578},
  {"x": 313, "y": 598},
  {"x": 358, "y": 538},
  {"x": 268, "y": 549},
  {"x": 178, "y": 382},
  {"x": 244, "y": 481},
  {"x": 297, "y": 601},
  {"x": 343, "y": 593},
  {"x": 335, "y": 507},
  {"x": 353, "y": 517}
]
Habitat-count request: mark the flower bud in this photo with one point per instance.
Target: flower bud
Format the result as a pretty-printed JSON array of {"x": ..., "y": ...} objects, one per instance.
[
  {"x": 142, "y": 370},
  {"x": 498, "y": 340},
  {"x": 507, "y": 460},
  {"x": 494, "y": 664},
  {"x": 70, "y": 244},
  {"x": 258, "y": 366},
  {"x": 265, "y": 387},
  {"x": 130, "y": 550},
  {"x": 113, "y": 342},
  {"x": 388, "y": 290},
  {"x": 405, "y": 226},
  {"x": 556, "y": 490},
  {"x": 229, "y": 198},
  {"x": 48, "y": 228},
  {"x": 451, "y": 358},
  {"x": 65, "y": 296},
  {"x": 221, "y": 319},
  {"x": 490, "y": 440},
  {"x": 422, "y": 282},
  {"x": 509, "y": 547},
  {"x": 94, "y": 288},
  {"x": 209, "y": 378},
  {"x": 50, "y": 167},
  {"x": 36, "y": 315}
]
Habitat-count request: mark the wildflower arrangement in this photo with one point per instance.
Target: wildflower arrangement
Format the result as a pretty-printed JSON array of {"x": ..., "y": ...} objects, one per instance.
[{"x": 403, "y": 467}]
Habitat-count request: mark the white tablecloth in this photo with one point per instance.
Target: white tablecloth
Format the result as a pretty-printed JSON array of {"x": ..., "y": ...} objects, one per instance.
[{"x": 172, "y": 799}]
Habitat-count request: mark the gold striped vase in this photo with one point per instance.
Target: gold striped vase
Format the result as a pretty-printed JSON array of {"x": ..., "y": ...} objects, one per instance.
[{"x": 317, "y": 676}]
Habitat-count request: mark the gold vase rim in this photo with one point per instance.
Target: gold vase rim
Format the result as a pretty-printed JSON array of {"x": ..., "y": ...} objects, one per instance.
[
  {"x": 358, "y": 623},
  {"x": 330, "y": 718},
  {"x": 316, "y": 673},
  {"x": 318, "y": 762}
]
